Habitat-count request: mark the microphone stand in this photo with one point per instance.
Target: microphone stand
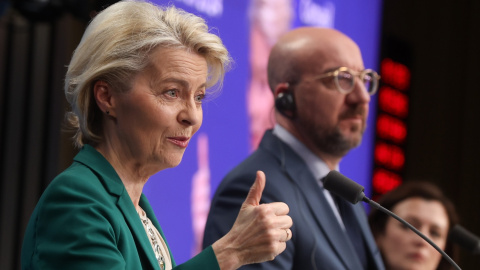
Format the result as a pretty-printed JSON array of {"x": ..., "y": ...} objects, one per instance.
[{"x": 353, "y": 192}]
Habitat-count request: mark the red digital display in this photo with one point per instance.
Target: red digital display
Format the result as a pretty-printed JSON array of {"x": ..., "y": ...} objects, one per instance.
[
  {"x": 390, "y": 156},
  {"x": 395, "y": 74},
  {"x": 384, "y": 181},
  {"x": 391, "y": 128},
  {"x": 393, "y": 101}
]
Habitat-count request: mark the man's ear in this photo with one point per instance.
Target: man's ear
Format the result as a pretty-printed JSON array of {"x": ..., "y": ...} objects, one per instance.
[
  {"x": 281, "y": 88},
  {"x": 103, "y": 94},
  {"x": 285, "y": 100}
]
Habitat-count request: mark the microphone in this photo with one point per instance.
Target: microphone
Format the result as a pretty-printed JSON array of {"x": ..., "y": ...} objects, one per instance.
[
  {"x": 351, "y": 191},
  {"x": 465, "y": 239},
  {"x": 344, "y": 187}
]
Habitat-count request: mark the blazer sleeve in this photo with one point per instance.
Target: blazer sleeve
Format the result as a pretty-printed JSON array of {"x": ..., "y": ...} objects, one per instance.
[
  {"x": 72, "y": 229},
  {"x": 204, "y": 260}
]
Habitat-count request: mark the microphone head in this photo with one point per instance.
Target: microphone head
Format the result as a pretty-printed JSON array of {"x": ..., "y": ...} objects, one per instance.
[
  {"x": 344, "y": 187},
  {"x": 465, "y": 239}
]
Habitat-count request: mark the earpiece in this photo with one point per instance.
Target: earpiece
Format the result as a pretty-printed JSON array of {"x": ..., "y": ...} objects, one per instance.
[{"x": 285, "y": 104}]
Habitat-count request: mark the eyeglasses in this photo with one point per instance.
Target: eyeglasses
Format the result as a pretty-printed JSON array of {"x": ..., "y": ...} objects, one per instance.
[{"x": 345, "y": 79}]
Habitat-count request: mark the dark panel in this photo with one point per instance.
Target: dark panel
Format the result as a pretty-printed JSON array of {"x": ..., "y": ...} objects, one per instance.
[
  {"x": 442, "y": 144},
  {"x": 12, "y": 141}
]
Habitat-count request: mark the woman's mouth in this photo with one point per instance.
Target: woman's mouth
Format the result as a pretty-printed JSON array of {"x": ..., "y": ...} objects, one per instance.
[
  {"x": 179, "y": 141},
  {"x": 416, "y": 256}
]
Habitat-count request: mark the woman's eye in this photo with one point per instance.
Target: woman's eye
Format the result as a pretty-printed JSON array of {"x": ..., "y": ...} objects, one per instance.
[
  {"x": 171, "y": 93},
  {"x": 199, "y": 98},
  {"x": 403, "y": 226},
  {"x": 435, "y": 234}
]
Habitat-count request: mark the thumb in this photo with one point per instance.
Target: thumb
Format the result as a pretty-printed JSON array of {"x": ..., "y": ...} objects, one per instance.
[{"x": 255, "y": 193}]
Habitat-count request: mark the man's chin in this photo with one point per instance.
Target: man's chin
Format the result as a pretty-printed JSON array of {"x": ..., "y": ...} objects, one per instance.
[
  {"x": 354, "y": 139},
  {"x": 341, "y": 145}
]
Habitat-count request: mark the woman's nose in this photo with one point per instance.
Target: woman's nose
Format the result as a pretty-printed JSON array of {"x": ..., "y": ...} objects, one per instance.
[
  {"x": 419, "y": 241},
  {"x": 190, "y": 114}
]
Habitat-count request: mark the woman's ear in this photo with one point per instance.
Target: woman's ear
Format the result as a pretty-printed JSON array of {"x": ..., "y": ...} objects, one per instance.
[{"x": 103, "y": 94}]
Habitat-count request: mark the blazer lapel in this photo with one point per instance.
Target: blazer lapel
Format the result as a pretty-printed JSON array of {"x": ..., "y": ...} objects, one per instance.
[
  {"x": 133, "y": 221},
  {"x": 113, "y": 184},
  {"x": 325, "y": 219},
  {"x": 367, "y": 233}
]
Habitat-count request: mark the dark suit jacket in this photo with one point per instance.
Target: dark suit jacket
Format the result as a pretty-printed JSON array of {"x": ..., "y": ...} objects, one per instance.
[
  {"x": 318, "y": 241},
  {"x": 85, "y": 219}
]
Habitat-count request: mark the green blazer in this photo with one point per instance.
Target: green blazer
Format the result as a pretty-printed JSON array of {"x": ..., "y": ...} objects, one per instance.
[{"x": 85, "y": 219}]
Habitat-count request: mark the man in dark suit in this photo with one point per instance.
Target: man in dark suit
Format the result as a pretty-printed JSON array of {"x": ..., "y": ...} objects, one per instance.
[{"x": 322, "y": 94}]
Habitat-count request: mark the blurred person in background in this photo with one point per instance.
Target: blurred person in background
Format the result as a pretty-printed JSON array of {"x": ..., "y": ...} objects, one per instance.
[
  {"x": 425, "y": 207},
  {"x": 269, "y": 19}
]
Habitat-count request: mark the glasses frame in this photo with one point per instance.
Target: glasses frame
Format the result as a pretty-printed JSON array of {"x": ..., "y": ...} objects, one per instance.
[{"x": 360, "y": 74}]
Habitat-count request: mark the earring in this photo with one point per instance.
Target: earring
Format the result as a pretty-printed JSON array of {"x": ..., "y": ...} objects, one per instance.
[{"x": 107, "y": 112}]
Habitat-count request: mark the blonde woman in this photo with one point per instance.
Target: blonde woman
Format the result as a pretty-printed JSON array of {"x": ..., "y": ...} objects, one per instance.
[{"x": 135, "y": 85}]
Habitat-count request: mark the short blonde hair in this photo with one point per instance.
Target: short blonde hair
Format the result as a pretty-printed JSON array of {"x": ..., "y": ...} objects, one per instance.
[{"x": 116, "y": 46}]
